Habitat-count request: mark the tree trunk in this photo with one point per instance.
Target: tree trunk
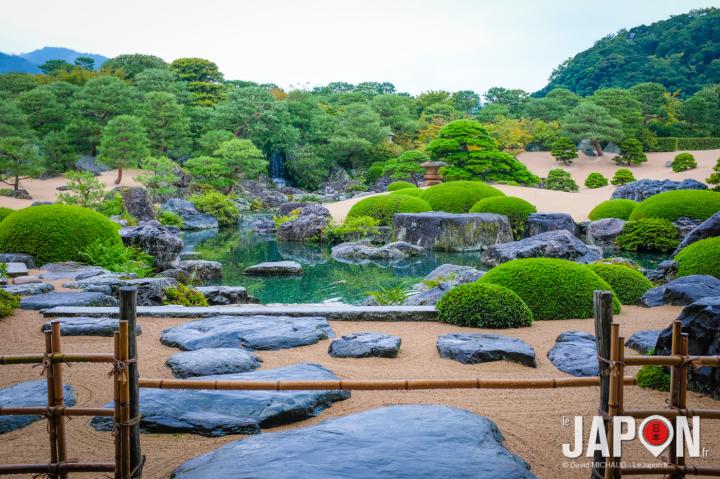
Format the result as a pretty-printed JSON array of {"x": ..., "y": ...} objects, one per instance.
[
  {"x": 119, "y": 176},
  {"x": 598, "y": 148},
  {"x": 16, "y": 184}
]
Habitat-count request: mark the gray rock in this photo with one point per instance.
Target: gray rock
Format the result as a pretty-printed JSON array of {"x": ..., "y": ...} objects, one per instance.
[
  {"x": 363, "y": 252},
  {"x": 27, "y": 280},
  {"x": 707, "y": 229},
  {"x": 28, "y": 394},
  {"x": 575, "y": 353},
  {"x": 20, "y": 194},
  {"x": 224, "y": 295},
  {"x": 365, "y": 345},
  {"x": 29, "y": 289},
  {"x": 612, "y": 148},
  {"x": 218, "y": 413},
  {"x": 310, "y": 224},
  {"x": 201, "y": 269},
  {"x": 551, "y": 244},
  {"x": 643, "y": 341},
  {"x": 452, "y": 232},
  {"x": 543, "y": 222},
  {"x": 18, "y": 258},
  {"x": 137, "y": 202},
  {"x": 587, "y": 148},
  {"x": 682, "y": 291},
  {"x": 603, "y": 232},
  {"x": 275, "y": 268},
  {"x": 84, "y": 326},
  {"x": 251, "y": 332},
  {"x": 265, "y": 227},
  {"x": 286, "y": 208},
  {"x": 52, "y": 300},
  {"x": 41, "y": 203},
  {"x": 643, "y": 189},
  {"x": 192, "y": 218},
  {"x": 156, "y": 240},
  {"x": 409, "y": 441},
  {"x": 70, "y": 270},
  {"x": 207, "y": 361},
  {"x": 16, "y": 269},
  {"x": 150, "y": 291},
  {"x": 89, "y": 163},
  {"x": 446, "y": 277},
  {"x": 664, "y": 272},
  {"x": 685, "y": 225},
  {"x": 476, "y": 348}
]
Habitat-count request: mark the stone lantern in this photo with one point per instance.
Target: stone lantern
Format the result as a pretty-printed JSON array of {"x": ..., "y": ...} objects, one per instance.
[{"x": 432, "y": 175}]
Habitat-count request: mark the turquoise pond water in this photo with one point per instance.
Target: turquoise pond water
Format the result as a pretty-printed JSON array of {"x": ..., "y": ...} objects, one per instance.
[{"x": 324, "y": 278}]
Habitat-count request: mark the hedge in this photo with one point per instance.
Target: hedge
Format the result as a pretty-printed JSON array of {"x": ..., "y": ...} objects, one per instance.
[
  {"x": 673, "y": 143},
  {"x": 516, "y": 209},
  {"x": 648, "y": 234},
  {"x": 552, "y": 288},
  {"x": 384, "y": 207},
  {"x": 417, "y": 192},
  {"x": 399, "y": 185},
  {"x": 701, "y": 257},
  {"x": 458, "y": 196},
  {"x": 671, "y": 205},
  {"x": 629, "y": 284},
  {"x": 618, "y": 208},
  {"x": 483, "y": 305},
  {"x": 5, "y": 212}
]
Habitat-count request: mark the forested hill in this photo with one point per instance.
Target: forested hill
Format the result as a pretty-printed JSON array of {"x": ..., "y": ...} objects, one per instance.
[
  {"x": 32, "y": 62},
  {"x": 682, "y": 53}
]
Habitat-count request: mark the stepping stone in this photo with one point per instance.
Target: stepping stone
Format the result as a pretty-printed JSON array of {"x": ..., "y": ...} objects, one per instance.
[
  {"x": 365, "y": 345},
  {"x": 27, "y": 394},
  {"x": 70, "y": 270},
  {"x": 29, "y": 289},
  {"x": 250, "y": 332},
  {"x": 218, "y": 413},
  {"x": 277, "y": 268},
  {"x": 16, "y": 269},
  {"x": 27, "y": 280},
  {"x": 410, "y": 441},
  {"x": 682, "y": 291},
  {"x": 575, "y": 353},
  {"x": 83, "y": 326},
  {"x": 52, "y": 300},
  {"x": 207, "y": 361},
  {"x": 643, "y": 341},
  {"x": 476, "y": 348},
  {"x": 18, "y": 258}
]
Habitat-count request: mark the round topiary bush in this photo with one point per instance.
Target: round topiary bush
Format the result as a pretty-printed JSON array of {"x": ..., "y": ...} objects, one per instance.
[
  {"x": 629, "y": 284},
  {"x": 399, "y": 185},
  {"x": 483, "y": 305},
  {"x": 648, "y": 234},
  {"x": 384, "y": 207},
  {"x": 683, "y": 162},
  {"x": 620, "y": 208},
  {"x": 622, "y": 176},
  {"x": 552, "y": 288},
  {"x": 596, "y": 180},
  {"x": 53, "y": 233},
  {"x": 701, "y": 257},
  {"x": 417, "y": 192},
  {"x": 671, "y": 205},
  {"x": 5, "y": 212},
  {"x": 458, "y": 196},
  {"x": 516, "y": 209},
  {"x": 654, "y": 377},
  {"x": 560, "y": 180}
]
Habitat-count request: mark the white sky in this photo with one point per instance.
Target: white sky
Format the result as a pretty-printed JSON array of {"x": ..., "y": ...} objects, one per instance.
[{"x": 417, "y": 45}]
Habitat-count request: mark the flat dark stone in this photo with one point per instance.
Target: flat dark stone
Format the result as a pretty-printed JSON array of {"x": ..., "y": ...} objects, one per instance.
[
  {"x": 682, "y": 291},
  {"x": 476, "y": 348},
  {"x": 643, "y": 341},
  {"x": 218, "y": 413},
  {"x": 365, "y": 345},
  {"x": 29, "y": 289},
  {"x": 27, "y": 394},
  {"x": 70, "y": 270},
  {"x": 18, "y": 258},
  {"x": 399, "y": 442},
  {"x": 575, "y": 353},
  {"x": 55, "y": 299},
  {"x": 208, "y": 361},
  {"x": 251, "y": 332},
  {"x": 84, "y": 326},
  {"x": 275, "y": 268}
]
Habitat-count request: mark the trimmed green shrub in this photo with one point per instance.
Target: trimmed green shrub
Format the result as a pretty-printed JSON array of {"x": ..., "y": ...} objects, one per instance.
[
  {"x": 516, "y": 209},
  {"x": 169, "y": 218},
  {"x": 714, "y": 178},
  {"x": 399, "y": 185},
  {"x": 629, "y": 284},
  {"x": 185, "y": 296},
  {"x": 5, "y": 212},
  {"x": 374, "y": 172},
  {"x": 560, "y": 180},
  {"x": 632, "y": 153},
  {"x": 653, "y": 377},
  {"x": 552, "y": 288},
  {"x": 8, "y": 303},
  {"x": 665, "y": 144},
  {"x": 671, "y": 205},
  {"x": 218, "y": 205},
  {"x": 416, "y": 192},
  {"x": 354, "y": 229},
  {"x": 116, "y": 257},
  {"x": 619, "y": 208},
  {"x": 458, "y": 196},
  {"x": 622, "y": 176},
  {"x": 701, "y": 257},
  {"x": 596, "y": 180},
  {"x": 698, "y": 143},
  {"x": 683, "y": 162},
  {"x": 648, "y": 234},
  {"x": 53, "y": 233},
  {"x": 384, "y": 207},
  {"x": 483, "y": 305}
]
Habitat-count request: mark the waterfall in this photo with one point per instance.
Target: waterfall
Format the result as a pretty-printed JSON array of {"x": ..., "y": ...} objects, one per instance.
[{"x": 277, "y": 169}]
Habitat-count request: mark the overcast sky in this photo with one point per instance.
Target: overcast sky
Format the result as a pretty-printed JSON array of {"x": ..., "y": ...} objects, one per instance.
[{"x": 417, "y": 45}]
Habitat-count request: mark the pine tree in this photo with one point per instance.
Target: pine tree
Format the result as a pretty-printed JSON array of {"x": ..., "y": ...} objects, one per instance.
[{"x": 123, "y": 143}]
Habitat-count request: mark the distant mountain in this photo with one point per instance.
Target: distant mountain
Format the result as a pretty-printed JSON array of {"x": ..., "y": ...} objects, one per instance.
[
  {"x": 14, "y": 63},
  {"x": 29, "y": 62},
  {"x": 682, "y": 53}
]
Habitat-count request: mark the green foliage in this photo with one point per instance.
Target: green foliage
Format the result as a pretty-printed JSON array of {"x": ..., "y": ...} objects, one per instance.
[
  {"x": 671, "y": 205},
  {"x": 632, "y": 153},
  {"x": 516, "y": 209},
  {"x": 399, "y": 185},
  {"x": 648, "y": 234},
  {"x": 8, "y": 303},
  {"x": 281, "y": 220},
  {"x": 123, "y": 144},
  {"x": 407, "y": 165},
  {"x": 244, "y": 159},
  {"x": 83, "y": 189},
  {"x": 113, "y": 256},
  {"x": 388, "y": 296},
  {"x": 184, "y": 295},
  {"x": 654, "y": 377},
  {"x": 162, "y": 182},
  {"x": 417, "y": 192},
  {"x": 54, "y": 233},
  {"x": 5, "y": 212},
  {"x": 714, "y": 178},
  {"x": 354, "y": 229},
  {"x": 619, "y": 208},
  {"x": 564, "y": 149},
  {"x": 374, "y": 173},
  {"x": 3, "y": 271},
  {"x": 622, "y": 176},
  {"x": 595, "y": 180},
  {"x": 19, "y": 160},
  {"x": 132, "y": 65},
  {"x": 218, "y": 205},
  {"x": 458, "y": 196},
  {"x": 683, "y": 162},
  {"x": 592, "y": 122},
  {"x": 166, "y": 124},
  {"x": 384, "y": 207},
  {"x": 700, "y": 257},
  {"x": 483, "y": 305},
  {"x": 560, "y": 180},
  {"x": 552, "y": 288},
  {"x": 168, "y": 218},
  {"x": 697, "y": 144},
  {"x": 665, "y": 144},
  {"x": 629, "y": 284}
]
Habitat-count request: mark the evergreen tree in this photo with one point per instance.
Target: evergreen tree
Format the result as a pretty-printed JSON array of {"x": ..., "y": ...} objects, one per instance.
[
  {"x": 19, "y": 160},
  {"x": 589, "y": 121},
  {"x": 123, "y": 144},
  {"x": 632, "y": 153},
  {"x": 564, "y": 150}
]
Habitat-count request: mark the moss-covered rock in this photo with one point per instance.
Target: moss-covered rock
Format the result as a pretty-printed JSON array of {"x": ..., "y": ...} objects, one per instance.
[
  {"x": 620, "y": 208},
  {"x": 400, "y": 185},
  {"x": 701, "y": 257},
  {"x": 384, "y": 207},
  {"x": 629, "y": 284},
  {"x": 458, "y": 196},
  {"x": 516, "y": 209},
  {"x": 671, "y": 205}
]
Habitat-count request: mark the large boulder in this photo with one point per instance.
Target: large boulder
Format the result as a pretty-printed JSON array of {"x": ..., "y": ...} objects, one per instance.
[
  {"x": 251, "y": 332},
  {"x": 225, "y": 295},
  {"x": 275, "y": 268},
  {"x": 701, "y": 321},
  {"x": 452, "y": 232},
  {"x": 643, "y": 341},
  {"x": 643, "y": 189},
  {"x": 18, "y": 258},
  {"x": 156, "y": 240},
  {"x": 310, "y": 224},
  {"x": 218, "y": 413},
  {"x": 603, "y": 232},
  {"x": 202, "y": 270},
  {"x": 207, "y": 361},
  {"x": 55, "y": 299},
  {"x": 476, "y": 348},
  {"x": 84, "y": 326},
  {"x": 575, "y": 353},
  {"x": 70, "y": 270},
  {"x": 664, "y": 272},
  {"x": 682, "y": 291},
  {"x": 707, "y": 229},
  {"x": 408, "y": 441},
  {"x": 365, "y": 345},
  {"x": 29, "y": 289},
  {"x": 137, "y": 202},
  {"x": 15, "y": 270},
  {"x": 551, "y": 244},
  {"x": 150, "y": 291},
  {"x": 364, "y": 252},
  {"x": 439, "y": 281},
  {"x": 543, "y": 222},
  {"x": 192, "y": 218},
  {"x": 28, "y": 394},
  {"x": 90, "y": 163}
]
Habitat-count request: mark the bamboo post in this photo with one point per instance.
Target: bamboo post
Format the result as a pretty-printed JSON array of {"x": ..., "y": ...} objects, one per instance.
[
  {"x": 124, "y": 403},
  {"x": 116, "y": 410},
  {"x": 602, "y": 312},
  {"x": 676, "y": 373},
  {"x": 611, "y": 465},
  {"x": 59, "y": 396},
  {"x": 51, "y": 400},
  {"x": 128, "y": 312}
]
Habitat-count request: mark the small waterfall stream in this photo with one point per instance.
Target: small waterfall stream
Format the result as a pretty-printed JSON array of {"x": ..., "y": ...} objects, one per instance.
[{"x": 277, "y": 169}]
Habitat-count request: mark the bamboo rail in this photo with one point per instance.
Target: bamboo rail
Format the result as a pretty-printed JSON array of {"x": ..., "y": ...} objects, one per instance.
[
  {"x": 673, "y": 360},
  {"x": 52, "y": 411},
  {"x": 59, "y": 397},
  {"x": 55, "y": 358},
  {"x": 55, "y": 468}
]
